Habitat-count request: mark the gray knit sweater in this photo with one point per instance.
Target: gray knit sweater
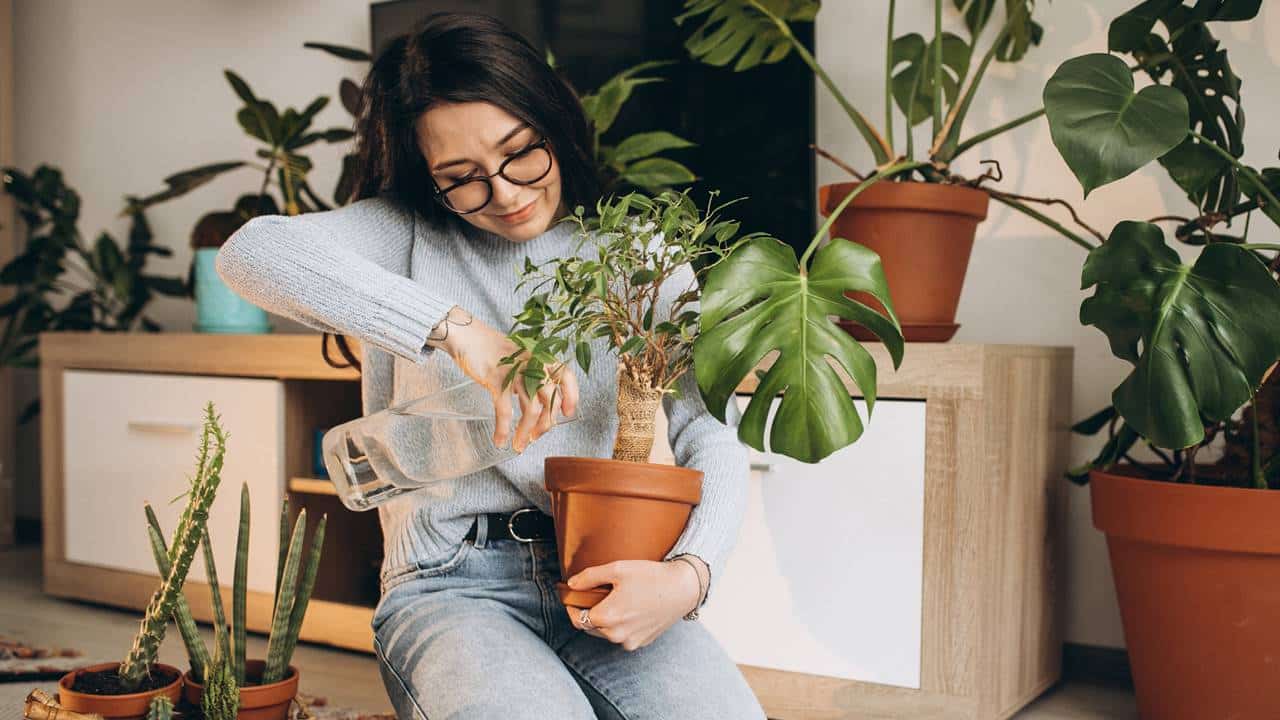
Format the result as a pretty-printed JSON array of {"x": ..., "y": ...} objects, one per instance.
[{"x": 382, "y": 274}]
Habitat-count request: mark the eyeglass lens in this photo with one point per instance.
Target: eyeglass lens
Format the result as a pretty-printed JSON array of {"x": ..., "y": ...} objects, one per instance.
[{"x": 525, "y": 168}]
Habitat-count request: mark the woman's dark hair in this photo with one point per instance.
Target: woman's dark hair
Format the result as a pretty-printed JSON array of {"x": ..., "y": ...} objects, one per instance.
[{"x": 457, "y": 58}]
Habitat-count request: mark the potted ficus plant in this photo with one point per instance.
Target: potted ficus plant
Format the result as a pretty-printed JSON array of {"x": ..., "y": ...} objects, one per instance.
[
  {"x": 633, "y": 289},
  {"x": 229, "y": 685},
  {"x": 126, "y": 689},
  {"x": 1191, "y": 522},
  {"x": 922, "y": 224}
]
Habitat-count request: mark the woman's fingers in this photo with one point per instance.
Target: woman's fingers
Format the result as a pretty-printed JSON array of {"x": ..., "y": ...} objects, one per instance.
[
  {"x": 502, "y": 417},
  {"x": 549, "y": 398},
  {"x": 568, "y": 391},
  {"x": 530, "y": 408}
]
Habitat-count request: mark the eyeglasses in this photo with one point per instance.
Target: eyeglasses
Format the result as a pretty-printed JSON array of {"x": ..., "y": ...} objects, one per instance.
[{"x": 472, "y": 194}]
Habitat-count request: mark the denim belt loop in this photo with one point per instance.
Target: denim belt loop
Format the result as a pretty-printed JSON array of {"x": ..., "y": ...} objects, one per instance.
[{"x": 482, "y": 531}]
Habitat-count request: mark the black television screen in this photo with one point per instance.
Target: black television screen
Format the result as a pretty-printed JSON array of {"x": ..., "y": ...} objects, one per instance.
[{"x": 752, "y": 130}]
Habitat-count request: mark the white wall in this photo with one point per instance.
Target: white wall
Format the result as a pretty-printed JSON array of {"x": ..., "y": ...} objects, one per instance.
[{"x": 121, "y": 94}]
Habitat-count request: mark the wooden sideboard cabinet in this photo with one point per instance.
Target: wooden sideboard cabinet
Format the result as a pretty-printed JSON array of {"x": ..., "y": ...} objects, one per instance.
[{"x": 914, "y": 574}]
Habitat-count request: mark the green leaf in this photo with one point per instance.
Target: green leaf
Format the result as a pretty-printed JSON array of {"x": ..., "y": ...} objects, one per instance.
[
  {"x": 1112, "y": 452},
  {"x": 1023, "y": 32},
  {"x": 1194, "y": 168},
  {"x": 913, "y": 92},
  {"x": 258, "y": 121},
  {"x": 643, "y": 145},
  {"x": 1095, "y": 422},
  {"x": 1271, "y": 180},
  {"x": 758, "y": 300},
  {"x": 602, "y": 107},
  {"x": 752, "y": 31},
  {"x": 1102, "y": 128},
  {"x": 656, "y": 174},
  {"x": 583, "y": 354},
  {"x": 1130, "y": 32},
  {"x": 180, "y": 184},
  {"x": 106, "y": 257},
  {"x": 642, "y": 276},
  {"x": 341, "y": 51},
  {"x": 1200, "y": 337},
  {"x": 977, "y": 13},
  {"x": 240, "y": 87},
  {"x": 632, "y": 344},
  {"x": 349, "y": 93}
]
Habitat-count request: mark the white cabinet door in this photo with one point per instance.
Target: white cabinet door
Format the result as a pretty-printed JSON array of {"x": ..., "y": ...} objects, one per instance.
[
  {"x": 826, "y": 575},
  {"x": 133, "y": 438}
]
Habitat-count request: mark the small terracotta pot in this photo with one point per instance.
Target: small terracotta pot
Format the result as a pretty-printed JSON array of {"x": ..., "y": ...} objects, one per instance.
[
  {"x": 1197, "y": 573},
  {"x": 133, "y": 705},
  {"x": 923, "y": 233},
  {"x": 257, "y": 702},
  {"x": 608, "y": 510}
]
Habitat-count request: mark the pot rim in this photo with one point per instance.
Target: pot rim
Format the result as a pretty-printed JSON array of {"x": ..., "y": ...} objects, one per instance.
[
  {"x": 251, "y": 696},
  {"x": 911, "y": 195},
  {"x": 1204, "y": 517},
  {"x": 653, "y": 481},
  {"x": 64, "y": 682}
]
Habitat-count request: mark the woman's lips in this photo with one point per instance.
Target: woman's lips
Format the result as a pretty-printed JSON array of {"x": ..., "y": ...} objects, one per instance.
[{"x": 520, "y": 215}]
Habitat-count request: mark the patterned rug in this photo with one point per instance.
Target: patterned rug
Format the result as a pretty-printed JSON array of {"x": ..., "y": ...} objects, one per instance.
[
  {"x": 20, "y": 662},
  {"x": 318, "y": 708}
]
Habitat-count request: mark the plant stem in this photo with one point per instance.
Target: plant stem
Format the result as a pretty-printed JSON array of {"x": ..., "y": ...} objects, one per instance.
[
  {"x": 1044, "y": 219},
  {"x": 888, "y": 77},
  {"x": 984, "y": 136},
  {"x": 955, "y": 119},
  {"x": 937, "y": 67},
  {"x": 879, "y": 147},
  {"x": 1260, "y": 246},
  {"x": 1246, "y": 170},
  {"x": 1255, "y": 456},
  {"x": 888, "y": 172}
]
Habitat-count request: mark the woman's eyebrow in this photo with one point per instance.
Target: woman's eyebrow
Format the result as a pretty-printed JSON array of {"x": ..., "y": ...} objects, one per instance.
[{"x": 460, "y": 161}]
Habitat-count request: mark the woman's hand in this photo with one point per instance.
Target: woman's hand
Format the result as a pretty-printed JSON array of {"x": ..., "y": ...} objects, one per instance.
[
  {"x": 647, "y": 598},
  {"x": 478, "y": 350}
]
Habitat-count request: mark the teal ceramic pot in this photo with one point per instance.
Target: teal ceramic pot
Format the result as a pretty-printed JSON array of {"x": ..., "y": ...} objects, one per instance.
[{"x": 218, "y": 308}]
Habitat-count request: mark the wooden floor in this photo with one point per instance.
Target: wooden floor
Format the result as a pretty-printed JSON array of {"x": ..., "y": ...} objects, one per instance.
[{"x": 344, "y": 678}]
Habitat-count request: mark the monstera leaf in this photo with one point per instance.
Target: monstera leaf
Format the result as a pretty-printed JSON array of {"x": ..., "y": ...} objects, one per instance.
[
  {"x": 913, "y": 88},
  {"x": 753, "y": 31},
  {"x": 1200, "y": 337},
  {"x": 758, "y": 300},
  {"x": 1102, "y": 128}
]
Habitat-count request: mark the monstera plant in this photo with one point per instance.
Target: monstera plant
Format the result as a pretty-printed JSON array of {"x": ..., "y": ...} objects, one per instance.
[
  {"x": 1196, "y": 561},
  {"x": 922, "y": 224}
]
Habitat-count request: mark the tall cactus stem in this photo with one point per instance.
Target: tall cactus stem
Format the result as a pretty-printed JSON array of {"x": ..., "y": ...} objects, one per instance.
[
  {"x": 161, "y": 708},
  {"x": 197, "y": 653}
]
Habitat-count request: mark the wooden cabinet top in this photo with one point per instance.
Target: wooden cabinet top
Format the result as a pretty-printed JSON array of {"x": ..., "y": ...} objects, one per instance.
[{"x": 928, "y": 370}]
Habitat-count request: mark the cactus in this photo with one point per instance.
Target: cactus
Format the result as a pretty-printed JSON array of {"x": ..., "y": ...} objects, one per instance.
[
  {"x": 286, "y": 594},
  {"x": 161, "y": 708},
  {"x": 186, "y": 537},
  {"x": 284, "y": 548},
  {"x": 304, "y": 594},
  {"x": 239, "y": 587},
  {"x": 221, "y": 700},
  {"x": 197, "y": 653}
]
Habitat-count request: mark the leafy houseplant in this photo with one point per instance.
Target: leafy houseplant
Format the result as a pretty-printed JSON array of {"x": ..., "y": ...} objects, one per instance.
[
  {"x": 634, "y": 292},
  {"x": 922, "y": 224},
  {"x": 284, "y": 135},
  {"x": 1193, "y": 548},
  {"x": 126, "y": 689},
  {"x": 107, "y": 283},
  {"x": 261, "y": 689}
]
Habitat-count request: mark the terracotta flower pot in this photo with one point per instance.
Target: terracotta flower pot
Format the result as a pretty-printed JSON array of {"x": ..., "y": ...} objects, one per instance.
[
  {"x": 257, "y": 702},
  {"x": 1197, "y": 572},
  {"x": 608, "y": 510},
  {"x": 923, "y": 233},
  {"x": 133, "y": 705}
]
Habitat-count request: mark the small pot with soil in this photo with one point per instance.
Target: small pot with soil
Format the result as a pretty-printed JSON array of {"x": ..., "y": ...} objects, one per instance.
[
  {"x": 257, "y": 701},
  {"x": 99, "y": 689}
]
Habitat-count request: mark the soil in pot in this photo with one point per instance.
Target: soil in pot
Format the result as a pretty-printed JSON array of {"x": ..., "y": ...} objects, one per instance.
[
  {"x": 113, "y": 701},
  {"x": 1197, "y": 574},
  {"x": 607, "y": 510},
  {"x": 257, "y": 701},
  {"x": 923, "y": 233}
]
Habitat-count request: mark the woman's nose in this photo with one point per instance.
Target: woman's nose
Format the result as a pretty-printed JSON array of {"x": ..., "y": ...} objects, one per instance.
[{"x": 504, "y": 192}]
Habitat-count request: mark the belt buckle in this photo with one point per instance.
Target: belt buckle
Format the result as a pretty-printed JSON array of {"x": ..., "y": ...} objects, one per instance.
[{"x": 511, "y": 527}]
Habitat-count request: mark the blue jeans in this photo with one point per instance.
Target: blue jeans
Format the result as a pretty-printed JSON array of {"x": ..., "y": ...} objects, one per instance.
[{"x": 481, "y": 633}]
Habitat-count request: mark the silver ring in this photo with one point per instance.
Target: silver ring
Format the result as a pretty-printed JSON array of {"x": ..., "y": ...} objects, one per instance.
[{"x": 584, "y": 617}]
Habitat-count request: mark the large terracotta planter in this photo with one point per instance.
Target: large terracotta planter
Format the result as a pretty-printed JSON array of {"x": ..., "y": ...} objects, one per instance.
[
  {"x": 608, "y": 510},
  {"x": 133, "y": 705},
  {"x": 923, "y": 233},
  {"x": 1197, "y": 572},
  {"x": 257, "y": 702}
]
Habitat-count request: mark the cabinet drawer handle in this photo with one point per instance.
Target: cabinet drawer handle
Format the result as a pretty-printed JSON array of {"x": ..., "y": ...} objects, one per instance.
[
  {"x": 762, "y": 466},
  {"x": 162, "y": 427}
]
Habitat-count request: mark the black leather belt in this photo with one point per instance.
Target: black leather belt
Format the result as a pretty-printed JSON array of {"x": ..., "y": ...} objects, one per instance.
[{"x": 524, "y": 525}]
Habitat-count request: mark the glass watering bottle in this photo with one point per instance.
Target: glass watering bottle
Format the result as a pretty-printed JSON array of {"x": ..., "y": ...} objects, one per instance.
[{"x": 442, "y": 435}]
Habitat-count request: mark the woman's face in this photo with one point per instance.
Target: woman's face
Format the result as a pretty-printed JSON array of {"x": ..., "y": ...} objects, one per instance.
[{"x": 466, "y": 140}]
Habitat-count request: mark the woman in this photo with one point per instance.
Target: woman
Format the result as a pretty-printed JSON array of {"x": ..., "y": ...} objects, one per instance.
[{"x": 471, "y": 148}]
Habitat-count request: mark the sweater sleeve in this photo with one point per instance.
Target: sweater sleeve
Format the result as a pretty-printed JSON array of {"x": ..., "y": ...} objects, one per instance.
[
  {"x": 701, "y": 442},
  {"x": 342, "y": 271}
]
